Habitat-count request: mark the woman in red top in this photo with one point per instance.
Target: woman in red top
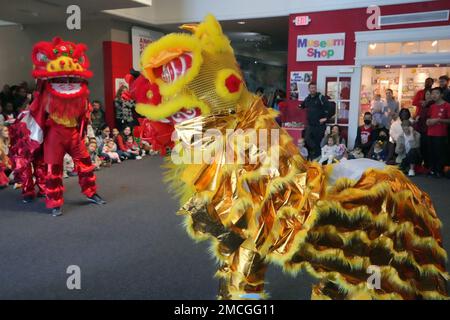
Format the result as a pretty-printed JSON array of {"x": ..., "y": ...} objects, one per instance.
[
  {"x": 121, "y": 143},
  {"x": 437, "y": 122}
]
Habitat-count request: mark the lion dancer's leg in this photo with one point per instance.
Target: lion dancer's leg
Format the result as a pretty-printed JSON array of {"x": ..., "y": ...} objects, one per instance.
[
  {"x": 54, "y": 188},
  {"x": 23, "y": 174},
  {"x": 40, "y": 173},
  {"x": 242, "y": 270},
  {"x": 241, "y": 276},
  {"x": 86, "y": 176},
  {"x": 84, "y": 168}
]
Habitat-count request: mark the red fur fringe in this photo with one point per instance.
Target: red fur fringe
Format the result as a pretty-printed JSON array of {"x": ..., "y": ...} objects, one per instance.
[{"x": 64, "y": 108}]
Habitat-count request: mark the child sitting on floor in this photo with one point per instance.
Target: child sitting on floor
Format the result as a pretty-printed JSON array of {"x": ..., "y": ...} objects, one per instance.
[
  {"x": 92, "y": 149},
  {"x": 329, "y": 151},
  {"x": 133, "y": 147},
  {"x": 110, "y": 149},
  {"x": 302, "y": 148},
  {"x": 68, "y": 166}
]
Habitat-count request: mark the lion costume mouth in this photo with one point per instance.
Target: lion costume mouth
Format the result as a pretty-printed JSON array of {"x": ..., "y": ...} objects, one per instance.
[
  {"x": 182, "y": 115},
  {"x": 175, "y": 68},
  {"x": 67, "y": 87}
]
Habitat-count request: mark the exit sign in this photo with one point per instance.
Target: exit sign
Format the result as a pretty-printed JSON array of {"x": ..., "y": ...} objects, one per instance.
[{"x": 301, "y": 20}]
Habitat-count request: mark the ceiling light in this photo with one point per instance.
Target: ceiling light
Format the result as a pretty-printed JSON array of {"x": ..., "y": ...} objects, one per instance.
[
  {"x": 434, "y": 43},
  {"x": 373, "y": 46},
  {"x": 145, "y": 2},
  {"x": 241, "y": 22}
]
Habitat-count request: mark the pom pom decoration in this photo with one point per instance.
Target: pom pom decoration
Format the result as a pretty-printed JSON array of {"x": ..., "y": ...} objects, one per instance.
[{"x": 229, "y": 84}]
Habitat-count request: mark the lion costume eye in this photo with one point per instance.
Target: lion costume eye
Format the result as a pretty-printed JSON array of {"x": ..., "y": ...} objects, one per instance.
[{"x": 41, "y": 57}]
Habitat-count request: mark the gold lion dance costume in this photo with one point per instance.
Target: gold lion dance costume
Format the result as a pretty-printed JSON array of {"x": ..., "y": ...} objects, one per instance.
[
  {"x": 336, "y": 222},
  {"x": 54, "y": 125}
]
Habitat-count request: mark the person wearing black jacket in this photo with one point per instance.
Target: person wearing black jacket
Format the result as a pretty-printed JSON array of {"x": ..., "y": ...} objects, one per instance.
[
  {"x": 365, "y": 136},
  {"x": 319, "y": 111}
]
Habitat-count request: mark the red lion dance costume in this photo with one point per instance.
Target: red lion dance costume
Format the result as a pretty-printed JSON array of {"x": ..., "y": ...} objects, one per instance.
[{"x": 55, "y": 123}]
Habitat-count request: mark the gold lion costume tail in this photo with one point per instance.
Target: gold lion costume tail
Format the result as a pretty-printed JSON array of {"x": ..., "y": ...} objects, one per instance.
[{"x": 363, "y": 230}]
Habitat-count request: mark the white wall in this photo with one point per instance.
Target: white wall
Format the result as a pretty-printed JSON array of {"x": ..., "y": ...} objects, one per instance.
[
  {"x": 16, "y": 45},
  {"x": 180, "y": 11},
  {"x": 15, "y": 55},
  {"x": 18, "y": 64}
]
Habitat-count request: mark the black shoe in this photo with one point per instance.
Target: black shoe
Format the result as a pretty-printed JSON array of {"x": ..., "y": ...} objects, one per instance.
[
  {"x": 41, "y": 195},
  {"x": 96, "y": 199},
  {"x": 56, "y": 212},
  {"x": 27, "y": 199}
]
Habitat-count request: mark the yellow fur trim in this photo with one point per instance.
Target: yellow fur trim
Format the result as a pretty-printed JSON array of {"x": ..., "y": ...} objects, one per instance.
[
  {"x": 182, "y": 41},
  {"x": 221, "y": 87},
  {"x": 167, "y": 109},
  {"x": 210, "y": 33}
]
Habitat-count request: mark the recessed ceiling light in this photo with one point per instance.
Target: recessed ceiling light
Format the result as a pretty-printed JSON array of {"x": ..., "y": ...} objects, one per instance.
[
  {"x": 144, "y": 2},
  {"x": 241, "y": 22}
]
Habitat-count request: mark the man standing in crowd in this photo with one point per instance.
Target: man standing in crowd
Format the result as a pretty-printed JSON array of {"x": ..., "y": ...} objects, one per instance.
[
  {"x": 391, "y": 110},
  {"x": 97, "y": 116},
  {"x": 365, "y": 134},
  {"x": 318, "y": 109},
  {"x": 438, "y": 121},
  {"x": 443, "y": 83},
  {"x": 419, "y": 98}
]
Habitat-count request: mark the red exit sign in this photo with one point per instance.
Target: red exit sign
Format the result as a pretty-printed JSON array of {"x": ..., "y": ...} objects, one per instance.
[{"x": 301, "y": 20}]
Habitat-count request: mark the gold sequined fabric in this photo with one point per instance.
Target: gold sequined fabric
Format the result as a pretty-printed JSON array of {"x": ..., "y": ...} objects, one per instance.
[{"x": 291, "y": 216}]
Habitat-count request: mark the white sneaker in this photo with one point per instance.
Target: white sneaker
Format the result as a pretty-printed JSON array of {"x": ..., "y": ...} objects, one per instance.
[
  {"x": 411, "y": 173},
  {"x": 138, "y": 157}
]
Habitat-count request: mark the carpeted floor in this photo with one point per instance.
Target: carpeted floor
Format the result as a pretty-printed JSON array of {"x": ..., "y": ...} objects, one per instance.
[{"x": 132, "y": 248}]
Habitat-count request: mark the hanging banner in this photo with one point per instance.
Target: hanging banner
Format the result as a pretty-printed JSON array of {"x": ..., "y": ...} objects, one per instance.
[
  {"x": 140, "y": 38},
  {"x": 321, "y": 47},
  {"x": 299, "y": 84}
]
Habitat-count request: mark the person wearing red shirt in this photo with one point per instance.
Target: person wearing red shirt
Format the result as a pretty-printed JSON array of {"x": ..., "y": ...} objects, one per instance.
[
  {"x": 419, "y": 98},
  {"x": 437, "y": 122},
  {"x": 121, "y": 144}
]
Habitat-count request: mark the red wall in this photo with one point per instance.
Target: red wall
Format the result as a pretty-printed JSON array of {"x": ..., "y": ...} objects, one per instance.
[
  {"x": 348, "y": 21},
  {"x": 117, "y": 62}
]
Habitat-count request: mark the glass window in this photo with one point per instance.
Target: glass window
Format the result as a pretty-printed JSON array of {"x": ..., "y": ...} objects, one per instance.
[
  {"x": 444, "y": 45},
  {"x": 393, "y": 48},
  {"x": 338, "y": 90},
  {"x": 410, "y": 47},
  {"x": 428, "y": 46},
  {"x": 376, "y": 49}
]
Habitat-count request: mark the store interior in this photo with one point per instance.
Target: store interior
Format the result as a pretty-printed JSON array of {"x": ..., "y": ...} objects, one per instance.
[{"x": 403, "y": 80}]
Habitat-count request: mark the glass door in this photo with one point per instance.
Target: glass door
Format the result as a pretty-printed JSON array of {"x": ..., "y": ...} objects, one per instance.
[{"x": 338, "y": 92}]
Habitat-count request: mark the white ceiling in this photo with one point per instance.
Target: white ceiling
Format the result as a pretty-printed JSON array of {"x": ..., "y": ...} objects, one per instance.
[{"x": 43, "y": 11}]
